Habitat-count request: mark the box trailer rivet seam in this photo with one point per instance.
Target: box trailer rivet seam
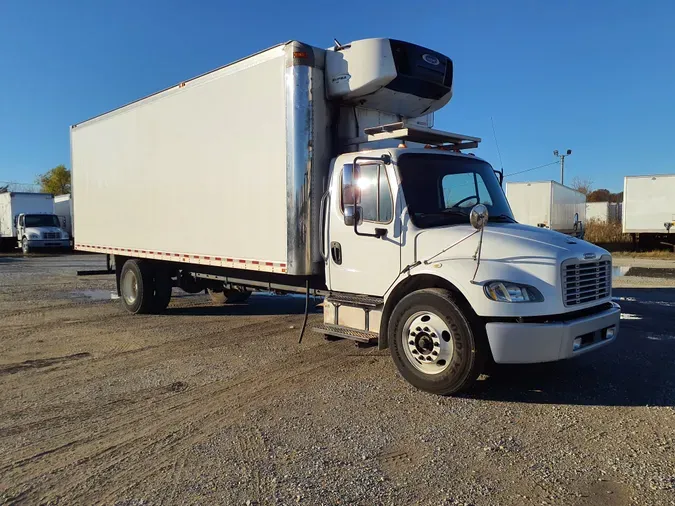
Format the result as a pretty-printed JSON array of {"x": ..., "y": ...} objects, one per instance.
[{"x": 299, "y": 170}]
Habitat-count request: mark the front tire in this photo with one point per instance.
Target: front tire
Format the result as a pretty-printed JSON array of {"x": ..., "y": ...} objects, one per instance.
[
  {"x": 432, "y": 343},
  {"x": 24, "y": 246}
]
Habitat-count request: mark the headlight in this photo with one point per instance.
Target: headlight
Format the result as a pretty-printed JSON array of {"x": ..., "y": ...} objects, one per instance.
[
  {"x": 33, "y": 236},
  {"x": 503, "y": 291},
  {"x": 64, "y": 235}
]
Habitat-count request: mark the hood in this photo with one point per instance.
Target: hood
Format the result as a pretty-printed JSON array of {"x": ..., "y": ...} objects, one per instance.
[
  {"x": 510, "y": 252},
  {"x": 505, "y": 242}
]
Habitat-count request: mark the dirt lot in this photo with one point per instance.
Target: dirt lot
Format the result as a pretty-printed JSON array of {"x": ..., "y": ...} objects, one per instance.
[{"x": 208, "y": 405}]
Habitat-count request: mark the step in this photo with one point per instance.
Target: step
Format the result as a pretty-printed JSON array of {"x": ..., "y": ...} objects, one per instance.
[
  {"x": 350, "y": 299},
  {"x": 361, "y": 336}
]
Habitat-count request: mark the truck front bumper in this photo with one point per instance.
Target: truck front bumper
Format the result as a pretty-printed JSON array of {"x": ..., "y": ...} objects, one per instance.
[
  {"x": 524, "y": 343},
  {"x": 49, "y": 243}
]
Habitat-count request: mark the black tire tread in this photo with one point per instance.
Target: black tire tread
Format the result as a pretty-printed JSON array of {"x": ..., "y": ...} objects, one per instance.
[
  {"x": 470, "y": 360},
  {"x": 144, "y": 302}
]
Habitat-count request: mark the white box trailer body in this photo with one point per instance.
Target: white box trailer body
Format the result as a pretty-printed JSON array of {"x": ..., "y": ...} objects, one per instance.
[
  {"x": 603, "y": 212},
  {"x": 224, "y": 159},
  {"x": 276, "y": 173},
  {"x": 546, "y": 204},
  {"x": 63, "y": 208},
  {"x": 648, "y": 204},
  {"x": 12, "y": 204}
]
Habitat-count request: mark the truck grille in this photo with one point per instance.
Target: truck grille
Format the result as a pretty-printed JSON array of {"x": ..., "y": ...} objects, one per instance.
[
  {"x": 586, "y": 281},
  {"x": 50, "y": 235}
]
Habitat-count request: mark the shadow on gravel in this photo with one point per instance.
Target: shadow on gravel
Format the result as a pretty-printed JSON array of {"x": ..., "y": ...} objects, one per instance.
[
  {"x": 257, "y": 305},
  {"x": 7, "y": 260},
  {"x": 637, "y": 370}
]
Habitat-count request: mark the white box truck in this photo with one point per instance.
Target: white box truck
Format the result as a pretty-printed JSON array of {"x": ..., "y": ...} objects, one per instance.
[
  {"x": 603, "y": 212},
  {"x": 547, "y": 204},
  {"x": 272, "y": 174},
  {"x": 63, "y": 208},
  {"x": 649, "y": 204},
  {"x": 27, "y": 221}
]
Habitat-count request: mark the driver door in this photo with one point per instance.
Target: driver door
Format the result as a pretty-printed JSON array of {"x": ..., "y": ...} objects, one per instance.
[{"x": 364, "y": 264}]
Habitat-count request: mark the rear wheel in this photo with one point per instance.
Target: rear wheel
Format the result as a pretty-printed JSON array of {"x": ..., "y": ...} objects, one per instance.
[
  {"x": 162, "y": 289},
  {"x": 432, "y": 343},
  {"x": 136, "y": 287},
  {"x": 229, "y": 296}
]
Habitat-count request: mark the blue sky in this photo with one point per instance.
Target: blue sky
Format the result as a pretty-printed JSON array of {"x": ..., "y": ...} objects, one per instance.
[{"x": 594, "y": 76}]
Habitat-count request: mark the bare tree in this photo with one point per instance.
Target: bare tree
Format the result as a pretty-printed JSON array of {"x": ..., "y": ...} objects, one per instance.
[{"x": 584, "y": 186}]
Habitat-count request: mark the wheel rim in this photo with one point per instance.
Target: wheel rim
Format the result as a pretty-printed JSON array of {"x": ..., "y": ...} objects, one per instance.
[
  {"x": 130, "y": 287},
  {"x": 428, "y": 342}
]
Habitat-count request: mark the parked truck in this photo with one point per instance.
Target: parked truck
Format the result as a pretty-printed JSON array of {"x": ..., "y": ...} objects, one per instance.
[
  {"x": 548, "y": 204},
  {"x": 27, "y": 221},
  {"x": 301, "y": 170},
  {"x": 649, "y": 209}
]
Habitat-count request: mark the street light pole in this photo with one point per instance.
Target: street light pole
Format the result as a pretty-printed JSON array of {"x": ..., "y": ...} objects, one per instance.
[{"x": 562, "y": 163}]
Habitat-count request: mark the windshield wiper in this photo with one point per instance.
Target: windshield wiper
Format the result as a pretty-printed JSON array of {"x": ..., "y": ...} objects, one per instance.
[{"x": 502, "y": 217}]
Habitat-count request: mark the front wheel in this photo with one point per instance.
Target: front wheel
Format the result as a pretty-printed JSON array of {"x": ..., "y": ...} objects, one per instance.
[
  {"x": 432, "y": 343},
  {"x": 24, "y": 246}
]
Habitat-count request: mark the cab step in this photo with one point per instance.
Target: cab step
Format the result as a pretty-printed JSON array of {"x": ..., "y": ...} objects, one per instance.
[
  {"x": 360, "y": 336},
  {"x": 350, "y": 299}
]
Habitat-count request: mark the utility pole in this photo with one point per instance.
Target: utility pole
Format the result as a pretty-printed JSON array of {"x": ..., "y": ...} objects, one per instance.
[{"x": 562, "y": 163}]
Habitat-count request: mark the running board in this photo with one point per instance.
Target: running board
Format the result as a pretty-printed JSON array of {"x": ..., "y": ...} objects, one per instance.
[
  {"x": 349, "y": 299},
  {"x": 346, "y": 333}
]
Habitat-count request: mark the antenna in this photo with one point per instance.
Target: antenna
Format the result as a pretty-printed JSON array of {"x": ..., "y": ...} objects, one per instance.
[
  {"x": 499, "y": 153},
  {"x": 338, "y": 46}
]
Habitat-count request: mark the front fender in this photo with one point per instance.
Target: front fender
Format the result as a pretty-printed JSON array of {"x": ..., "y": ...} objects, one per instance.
[{"x": 460, "y": 272}]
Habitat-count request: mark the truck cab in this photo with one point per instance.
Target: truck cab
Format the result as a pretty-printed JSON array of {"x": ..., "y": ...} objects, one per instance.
[
  {"x": 449, "y": 279},
  {"x": 40, "y": 230}
]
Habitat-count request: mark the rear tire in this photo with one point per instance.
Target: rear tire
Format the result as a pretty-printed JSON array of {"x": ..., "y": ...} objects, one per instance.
[
  {"x": 137, "y": 287},
  {"x": 432, "y": 343},
  {"x": 162, "y": 289},
  {"x": 230, "y": 296}
]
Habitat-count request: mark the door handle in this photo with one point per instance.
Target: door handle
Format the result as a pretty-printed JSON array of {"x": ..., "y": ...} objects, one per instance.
[{"x": 336, "y": 252}]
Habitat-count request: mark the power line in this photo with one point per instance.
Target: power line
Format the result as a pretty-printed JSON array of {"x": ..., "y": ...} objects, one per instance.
[{"x": 533, "y": 168}]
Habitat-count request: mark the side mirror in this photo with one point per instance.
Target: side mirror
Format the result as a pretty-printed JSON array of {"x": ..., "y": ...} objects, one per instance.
[
  {"x": 478, "y": 216},
  {"x": 500, "y": 176}
]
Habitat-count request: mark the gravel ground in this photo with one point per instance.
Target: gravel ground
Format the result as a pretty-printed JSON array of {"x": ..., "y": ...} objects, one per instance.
[{"x": 210, "y": 405}]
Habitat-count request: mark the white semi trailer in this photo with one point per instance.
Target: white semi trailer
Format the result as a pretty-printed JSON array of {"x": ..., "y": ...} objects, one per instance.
[
  {"x": 649, "y": 209},
  {"x": 300, "y": 169},
  {"x": 603, "y": 212},
  {"x": 63, "y": 208},
  {"x": 548, "y": 204}
]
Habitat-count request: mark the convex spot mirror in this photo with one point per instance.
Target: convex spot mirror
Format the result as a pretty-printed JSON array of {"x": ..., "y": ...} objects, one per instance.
[{"x": 478, "y": 216}]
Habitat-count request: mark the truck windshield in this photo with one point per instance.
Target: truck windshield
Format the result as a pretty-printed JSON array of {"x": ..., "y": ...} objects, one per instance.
[
  {"x": 41, "y": 220},
  {"x": 441, "y": 189}
]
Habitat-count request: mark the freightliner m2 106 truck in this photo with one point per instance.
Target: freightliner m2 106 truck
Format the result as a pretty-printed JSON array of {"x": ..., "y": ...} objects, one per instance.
[{"x": 301, "y": 169}]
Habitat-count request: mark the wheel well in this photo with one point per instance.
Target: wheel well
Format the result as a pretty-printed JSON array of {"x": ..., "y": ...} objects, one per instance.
[{"x": 410, "y": 285}]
